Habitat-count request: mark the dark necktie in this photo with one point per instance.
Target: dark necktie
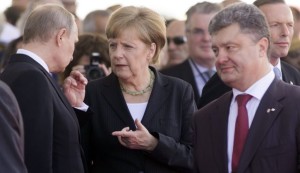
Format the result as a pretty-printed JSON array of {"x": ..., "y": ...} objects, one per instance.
[{"x": 241, "y": 130}]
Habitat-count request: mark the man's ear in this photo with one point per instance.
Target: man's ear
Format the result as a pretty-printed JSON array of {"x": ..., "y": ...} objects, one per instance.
[
  {"x": 263, "y": 46},
  {"x": 61, "y": 34}
]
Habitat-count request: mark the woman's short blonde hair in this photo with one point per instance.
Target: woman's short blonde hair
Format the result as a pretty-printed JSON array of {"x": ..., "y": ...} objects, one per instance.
[{"x": 149, "y": 25}]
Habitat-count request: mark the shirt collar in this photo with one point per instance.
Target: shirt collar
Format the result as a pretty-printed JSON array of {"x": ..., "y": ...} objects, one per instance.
[
  {"x": 259, "y": 88},
  {"x": 199, "y": 67},
  {"x": 35, "y": 57}
]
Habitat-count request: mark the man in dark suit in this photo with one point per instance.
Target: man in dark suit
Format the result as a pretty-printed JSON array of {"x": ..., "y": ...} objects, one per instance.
[
  {"x": 11, "y": 133},
  {"x": 51, "y": 127},
  {"x": 255, "y": 127},
  {"x": 281, "y": 33},
  {"x": 199, "y": 67}
]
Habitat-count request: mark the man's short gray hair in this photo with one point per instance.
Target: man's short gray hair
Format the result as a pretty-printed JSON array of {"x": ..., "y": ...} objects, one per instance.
[{"x": 45, "y": 20}]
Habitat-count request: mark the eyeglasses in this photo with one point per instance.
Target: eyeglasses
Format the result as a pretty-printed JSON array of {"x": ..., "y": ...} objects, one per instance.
[{"x": 179, "y": 40}]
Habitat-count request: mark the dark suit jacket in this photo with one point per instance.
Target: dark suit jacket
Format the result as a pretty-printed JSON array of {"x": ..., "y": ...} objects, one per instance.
[
  {"x": 273, "y": 142},
  {"x": 215, "y": 87},
  {"x": 51, "y": 128},
  {"x": 11, "y": 133},
  {"x": 184, "y": 71},
  {"x": 167, "y": 117}
]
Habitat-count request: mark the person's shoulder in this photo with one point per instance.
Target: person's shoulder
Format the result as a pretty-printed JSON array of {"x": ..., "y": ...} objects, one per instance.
[
  {"x": 215, "y": 104},
  {"x": 172, "y": 80},
  {"x": 4, "y": 88},
  {"x": 176, "y": 68},
  {"x": 289, "y": 68}
]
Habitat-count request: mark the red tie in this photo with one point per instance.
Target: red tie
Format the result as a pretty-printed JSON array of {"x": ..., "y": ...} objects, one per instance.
[{"x": 241, "y": 130}]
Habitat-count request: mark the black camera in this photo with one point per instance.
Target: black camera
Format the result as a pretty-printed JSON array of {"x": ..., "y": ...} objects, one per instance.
[{"x": 93, "y": 71}]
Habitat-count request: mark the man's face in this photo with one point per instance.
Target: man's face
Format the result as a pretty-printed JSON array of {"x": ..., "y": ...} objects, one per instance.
[
  {"x": 280, "y": 19},
  {"x": 177, "y": 46},
  {"x": 239, "y": 58},
  {"x": 199, "y": 39}
]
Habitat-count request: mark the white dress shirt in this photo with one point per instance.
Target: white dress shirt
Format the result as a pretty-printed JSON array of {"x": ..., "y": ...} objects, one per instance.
[
  {"x": 137, "y": 110},
  {"x": 257, "y": 90},
  {"x": 35, "y": 57}
]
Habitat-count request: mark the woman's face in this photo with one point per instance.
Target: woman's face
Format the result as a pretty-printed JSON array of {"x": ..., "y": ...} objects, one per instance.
[{"x": 130, "y": 56}]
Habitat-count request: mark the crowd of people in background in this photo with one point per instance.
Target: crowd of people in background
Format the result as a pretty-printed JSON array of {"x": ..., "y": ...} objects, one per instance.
[{"x": 127, "y": 90}]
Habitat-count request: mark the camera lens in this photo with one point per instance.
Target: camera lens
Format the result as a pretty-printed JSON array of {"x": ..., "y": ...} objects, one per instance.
[{"x": 93, "y": 72}]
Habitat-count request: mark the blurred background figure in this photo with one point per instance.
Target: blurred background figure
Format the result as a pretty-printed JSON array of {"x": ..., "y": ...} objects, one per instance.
[
  {"x": 11, "y": 133},
  {"x": 296, "y": 15},
  {"x": 20, "y": 3},
  {"x": 71, "y": 6},
  {"x": 293, "y": 56},
  {"x": 85, "y": 47},
  {"x": 9, "y": 50},
  {"x": 113, "y": 8},
  {"x": 176, "y": 40},
  {"x": 200, "y": 65},
  {"x": 225, "y": 3},
  {"x": 30, "y": 6},
  {"x": 12, "y": 14},
  {"x": 95, "y": 22},
  {"x": 10, "y": 31}
]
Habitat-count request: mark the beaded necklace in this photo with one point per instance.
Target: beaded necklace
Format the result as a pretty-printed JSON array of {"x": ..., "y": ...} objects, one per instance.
[{"x": 148, "y": 88}]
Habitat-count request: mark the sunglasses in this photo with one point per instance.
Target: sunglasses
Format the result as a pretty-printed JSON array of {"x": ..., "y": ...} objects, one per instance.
[{"x": 177, "y": 40}]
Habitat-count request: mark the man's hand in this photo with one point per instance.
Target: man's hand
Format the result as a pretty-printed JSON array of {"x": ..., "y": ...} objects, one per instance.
[{"x": 74, "y": 88}]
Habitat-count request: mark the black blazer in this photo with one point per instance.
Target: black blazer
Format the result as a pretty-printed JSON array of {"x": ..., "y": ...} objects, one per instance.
[
  {"x": 215, "y": 87},
  {"x": 273, "y": 141},
  {"x": 11, "y": 133},
  {"x": 167, "y": 117},
  {"x": 51, "y": 128},
  {"x": 184, "y": 71}
]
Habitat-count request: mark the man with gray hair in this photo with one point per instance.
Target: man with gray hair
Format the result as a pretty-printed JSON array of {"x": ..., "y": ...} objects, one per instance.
[
  {"x": 95, "y": 22},
  {"x": 50, "y": 124},
  {"x": 200, "y": 65},
  {"x": 255, "y": 127},
  {"x": 281, "y": 32}
]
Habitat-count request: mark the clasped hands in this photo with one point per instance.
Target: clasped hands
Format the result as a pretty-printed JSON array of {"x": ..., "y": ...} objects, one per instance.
[{"x": 139, "y": 139}]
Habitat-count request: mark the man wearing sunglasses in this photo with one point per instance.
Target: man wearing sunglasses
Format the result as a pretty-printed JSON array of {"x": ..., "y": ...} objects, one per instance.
[
  {"x": 200, "y": 65},
  {"x": 177, "y": 46}
]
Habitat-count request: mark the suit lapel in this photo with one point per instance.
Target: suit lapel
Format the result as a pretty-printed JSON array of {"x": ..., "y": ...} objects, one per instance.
[
  {"x": 112, "y": 93},
  {"x": 157, "y": 98},
  {"x": 269, "y": 108},
  {"x": 219, "y": 121},
  {"x": 286, "y": 76}
]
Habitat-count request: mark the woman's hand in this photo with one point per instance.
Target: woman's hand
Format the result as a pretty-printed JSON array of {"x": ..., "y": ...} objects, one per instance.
[
  {"x": 140, "y": 139},
  {"x": 74, "y": 88}
]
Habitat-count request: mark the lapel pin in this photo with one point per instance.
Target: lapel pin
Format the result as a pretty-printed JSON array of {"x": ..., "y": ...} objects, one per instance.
[
  {"x": 271, "y": 110},
  {"x": 291, "y": 82}
]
